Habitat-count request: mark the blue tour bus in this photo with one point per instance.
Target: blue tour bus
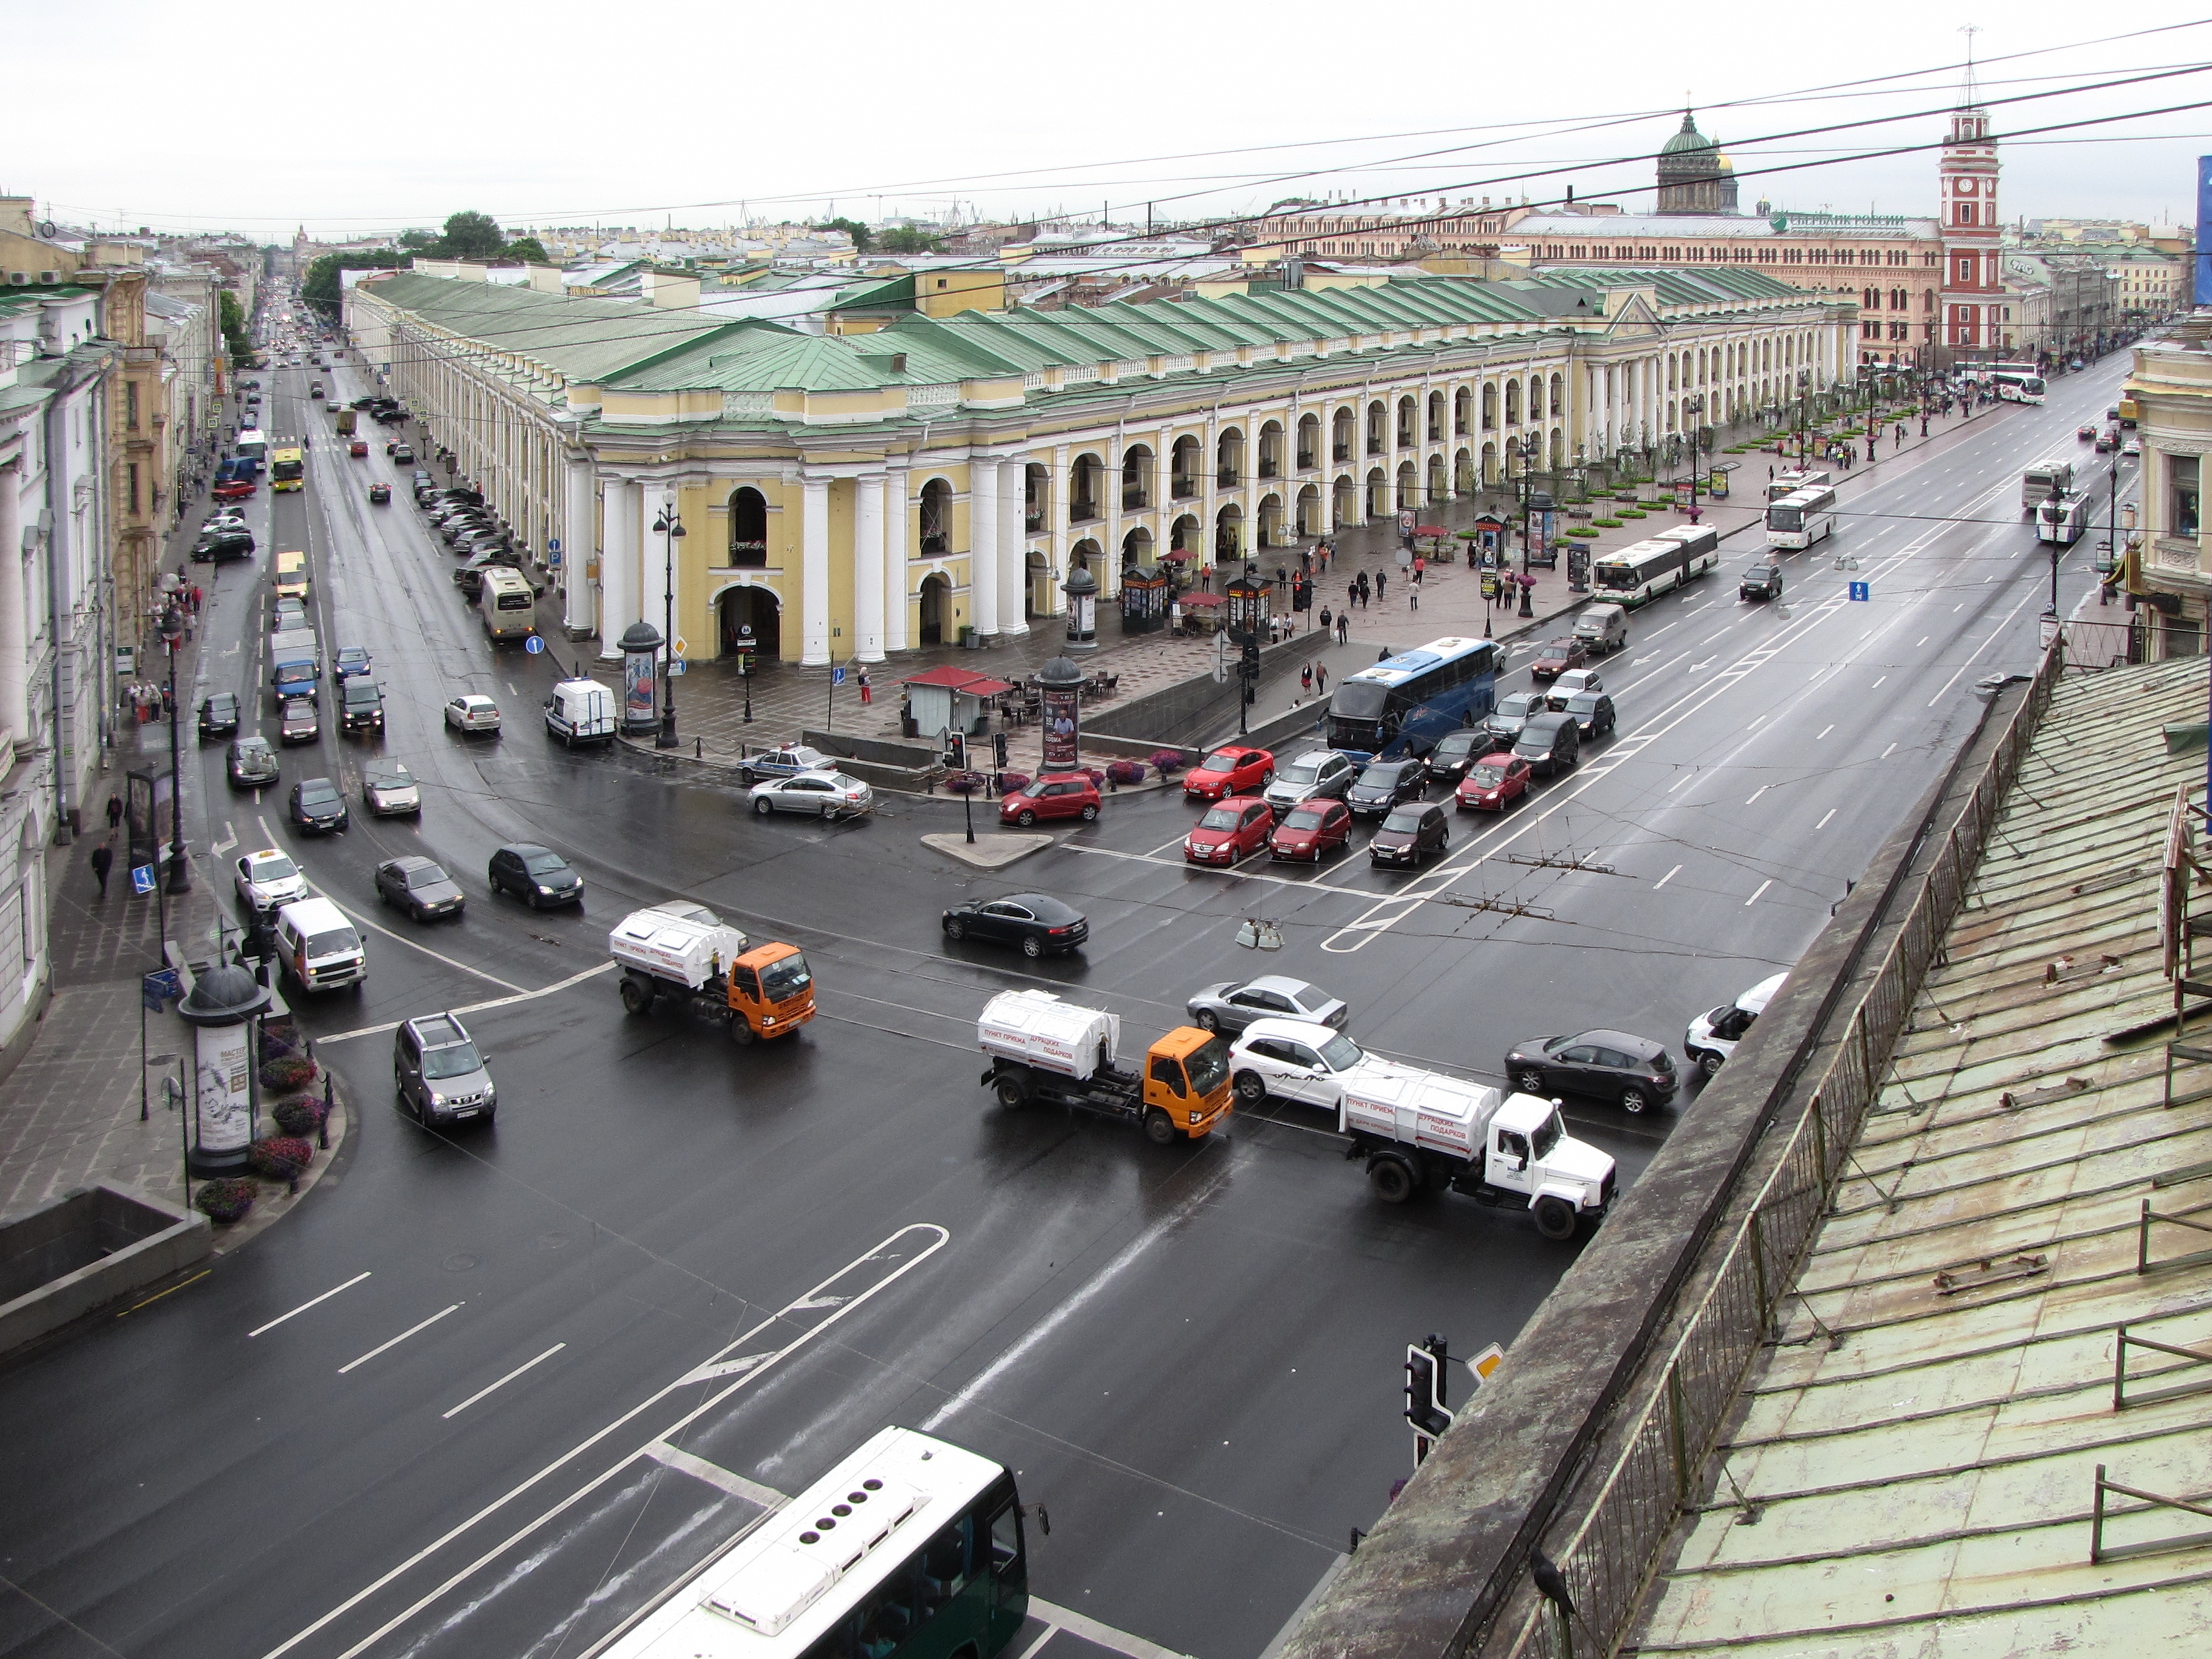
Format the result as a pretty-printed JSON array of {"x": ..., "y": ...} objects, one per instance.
[{"x": 1405, "y": 703}]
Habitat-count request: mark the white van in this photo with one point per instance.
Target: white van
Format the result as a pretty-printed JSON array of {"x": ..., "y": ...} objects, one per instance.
[
  {"x": 1712, "y": 1036},
  {"x": 580, "y": 711},
  {"x": 318, "y": 947}
]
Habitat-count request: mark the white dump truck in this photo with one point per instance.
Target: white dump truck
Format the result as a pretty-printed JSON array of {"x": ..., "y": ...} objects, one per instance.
[
  {"x": 1043, "y": 1048},
  {"x": 685, "y": 953},
  {"x": 1418, "y": 1129}
]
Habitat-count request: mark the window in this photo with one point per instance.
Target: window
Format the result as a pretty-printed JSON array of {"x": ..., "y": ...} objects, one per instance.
[
  {"x": 936, "y": 516},
  {"x": 1167, "y": 1072},
  {"x": 2182, "y": 472},
  {"x": 130, "y": 403},
  {"x": 134, "y": 477},
  {"x": 748, "y": 528}
]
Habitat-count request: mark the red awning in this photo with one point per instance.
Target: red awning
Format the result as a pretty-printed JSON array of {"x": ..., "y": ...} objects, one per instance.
[
  {"x": 985, "y": 686},
  {"x": 1178, "y": 556},
  {"x": 1428, "y": 529},
  {"x": 950, "y": 677},
  {"x": 1204, "y": 599}
]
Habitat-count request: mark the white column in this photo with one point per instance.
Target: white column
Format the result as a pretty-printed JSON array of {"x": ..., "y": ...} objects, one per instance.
[
  {"x": 983, "y": 544},
  {"x": 868, "y": 567},
  {"x": 1013, "y": 549},
  {"x": 14, "y": 622},
  {"x": 1612, "y": 418},
  {"x": 579, "y": 538},
  {"x": 895, "y": 566},
  {"x": 618, "y": 553},
  {"x": 814, "y": 573},
  {"x": 657, "y": 554}
]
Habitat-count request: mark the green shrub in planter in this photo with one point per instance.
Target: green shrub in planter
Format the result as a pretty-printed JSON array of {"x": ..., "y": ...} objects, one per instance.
[
  {"x": 226, "y": 1200},
  {"x": 1582, "y": 530},
  {"x": 279, "y": 1157},
  {"x": 1632, "y": 512},
  {"x": 1604, "y": 524},
  {"x": 289, "y": 1074},
  {"x": 303, "y": 1116}
]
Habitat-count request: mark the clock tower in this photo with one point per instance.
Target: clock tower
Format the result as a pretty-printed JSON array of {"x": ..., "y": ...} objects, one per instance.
[{"x": 1974, "y": 325}]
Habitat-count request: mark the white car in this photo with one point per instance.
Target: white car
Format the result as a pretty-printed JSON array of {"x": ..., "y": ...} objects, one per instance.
[
  {"x": 390, "y": 789},
  {"x": 826, "y": 794},
  {"x": 269, "y": 878},
  {"x": 1295, "y": 1060},
  {"x": 472, "y": 713},
  {"x": 221, "y": 521},
  {"x": 1574, "y": 679}
]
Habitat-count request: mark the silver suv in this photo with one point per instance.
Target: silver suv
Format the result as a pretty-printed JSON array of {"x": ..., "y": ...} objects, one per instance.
[
  {"x": 440, "y": 1072},
  {"x": 1318, "y": 771}
]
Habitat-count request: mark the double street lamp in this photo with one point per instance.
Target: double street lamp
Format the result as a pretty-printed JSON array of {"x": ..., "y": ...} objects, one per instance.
[
  {"x": 173, "y": 635},
  {"x": 1693, "y": 420},
  {"x": 670, "y": 528}
]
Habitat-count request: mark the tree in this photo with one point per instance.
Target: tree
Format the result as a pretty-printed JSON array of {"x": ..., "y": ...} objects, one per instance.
[
  {"x": 907, "y": 239},
  {"x": 418, "y": 241},
  {"x": 852, "y": 228},
  {"x": 528, "y": 249},
  {"x": 235, "y": 339},
  {"x": 322, "y": 287},
  {"x": 471, "y": 235}
]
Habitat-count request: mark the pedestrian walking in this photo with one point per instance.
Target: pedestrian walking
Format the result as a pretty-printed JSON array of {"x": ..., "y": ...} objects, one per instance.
[
  {"x": 1380, "y": 577},
  {"x": 103, "y": 861},
  {"x": 1412, "y": 596},
  {"x": 867, "y": 694},
  {"x": 1363, "y": 589},
  {"x": 1325, "y": 620},
  {"x": 1321, "y": 677},
  {"x": 1305, "y": 679},
  {"x": 1924, "y": 426},
  {"x": 1343, "y": 628},
  {"x": 114, "y": 811},
  {"x": 1350, "y": 594}
]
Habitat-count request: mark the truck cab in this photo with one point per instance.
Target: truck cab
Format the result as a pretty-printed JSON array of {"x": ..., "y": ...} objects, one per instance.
[
  {"x": 1043, "y": 1048},
  {"x": 771, "y": 992},
  {"x": 1187, "y": 1077}
]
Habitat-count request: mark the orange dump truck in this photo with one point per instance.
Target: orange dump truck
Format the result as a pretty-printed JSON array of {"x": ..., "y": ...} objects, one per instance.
[
  {"x": 685, "y": 953},
  {"x": 1043, "y": 1048}
]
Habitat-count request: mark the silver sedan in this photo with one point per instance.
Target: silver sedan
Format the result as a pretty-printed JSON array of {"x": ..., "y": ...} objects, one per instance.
[
  {"x": 824, "y": 794},
  {"x": 1233, "y": 1007}
]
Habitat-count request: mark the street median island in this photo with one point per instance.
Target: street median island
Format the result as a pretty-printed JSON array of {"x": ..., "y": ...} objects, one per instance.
[
  {"x": 85, "y": 1250},
  {"x": 992, "y": 851}
]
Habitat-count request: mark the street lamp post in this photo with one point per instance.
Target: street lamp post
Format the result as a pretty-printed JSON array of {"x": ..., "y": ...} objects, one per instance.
[
  {"x": 1693, "y": 408},
  {"x": 669, "y": 529},
  {"x": 180, "y": 874},
  {"x": 2057, "y": 500}
]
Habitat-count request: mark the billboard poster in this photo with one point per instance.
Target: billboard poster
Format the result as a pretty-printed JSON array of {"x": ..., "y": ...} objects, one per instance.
[
  {"x": 1063, "y": 728},
  {"x": 637, "y": 687},
  {"x": 224, "y": 1107}
]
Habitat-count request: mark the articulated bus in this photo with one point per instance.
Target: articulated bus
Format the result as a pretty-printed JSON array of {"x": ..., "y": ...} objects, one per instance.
[
  {"x": 1643, "y": 570},
  {"x": 1404, "y": 703},
  {"x": 288, "y": 469},
  {"x": 251, "y": 446},
  {"x": 1800, "y": 520},
  {"x": 508, "y": 605},
  {"x": 911, "y": 1548}
]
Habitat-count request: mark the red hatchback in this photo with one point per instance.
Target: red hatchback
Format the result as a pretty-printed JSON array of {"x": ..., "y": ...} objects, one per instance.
[
  {"x": 1493, "y": 783},
  {"x": 1556, "y": 658},
  {"x": 1230, "y": 830},
  {"x": 1230, "y": 771},
  {"x": 1310, "y": 830},
  {"x": 1054, "y": 795}
]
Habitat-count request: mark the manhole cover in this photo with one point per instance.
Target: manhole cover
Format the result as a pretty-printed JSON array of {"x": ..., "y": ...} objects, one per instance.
[{"x": 460, "y": 1262}]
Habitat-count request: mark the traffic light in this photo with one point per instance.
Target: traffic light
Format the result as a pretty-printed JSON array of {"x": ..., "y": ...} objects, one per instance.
[
  {"x": 956, "y": 751},
  {"x": 998, "y": 749},
  {"x": 1424, "y": 1387},
  {"x": 1248, "y": 670}
]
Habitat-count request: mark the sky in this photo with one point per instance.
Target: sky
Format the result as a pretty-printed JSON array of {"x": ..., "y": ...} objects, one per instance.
[{"x": 357, "y": 120}]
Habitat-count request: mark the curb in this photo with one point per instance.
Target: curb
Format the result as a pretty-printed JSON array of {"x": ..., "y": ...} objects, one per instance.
[{"x": 275, "y": 1203}]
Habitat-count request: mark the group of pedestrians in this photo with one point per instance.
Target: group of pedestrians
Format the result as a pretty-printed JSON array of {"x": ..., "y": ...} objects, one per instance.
[{"x": 149, "y": 700}]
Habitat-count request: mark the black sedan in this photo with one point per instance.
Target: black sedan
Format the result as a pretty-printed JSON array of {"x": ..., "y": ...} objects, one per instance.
[
  {"x": 318, "y": 805},
  {"x": 419, "y": 886},
  {"x": 1386, "y": 784},
  {"x": 1609, "y": 1064},
  {"x": 1592, "y": 713},
  {"x": 221, "y": 544},
  {"x": 219, "y": 715},
  {"x": 537, "y": 875},
  {"x": 250, "y": 764},
  {"x": 1455, "y": 751},
  {"x": 1040, "y": 924}
]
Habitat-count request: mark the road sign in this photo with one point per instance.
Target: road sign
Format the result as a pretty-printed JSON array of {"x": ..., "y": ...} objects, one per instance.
[
  {"x": 836, "y": 676},
  {"x": 552, "y": 543},
  {"x": 677, "y": 666},
  {"x": 533, "y": 645},
  {"x": 142, "y": 879},
  {"x": 1484, "y": 1364},
  {"x": 683, "y": 646},
  {"x": 1862, "y": 590}
]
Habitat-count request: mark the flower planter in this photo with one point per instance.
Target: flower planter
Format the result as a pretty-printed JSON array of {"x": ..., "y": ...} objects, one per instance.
[
  {"x": 1167, "y": 761},
  {"x": 301, "y": 1117},
  {"x": 279, "y": 1157},
  {"x": 227, "y": 1201},
  {"x": 1605, "y": 523},
  {"x": 963, "y": 783},
  {"x": 1126, "y": 771},
  {"x": 1012, "y": 781},
  {"x": 289, "y": 1074}
]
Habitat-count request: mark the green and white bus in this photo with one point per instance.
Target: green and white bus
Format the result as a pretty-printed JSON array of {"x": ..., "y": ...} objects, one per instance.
[{"x": 911, "y": 1548}]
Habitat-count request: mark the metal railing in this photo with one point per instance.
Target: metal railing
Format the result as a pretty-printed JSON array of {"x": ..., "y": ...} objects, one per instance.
[
  {"x": 2194, "y": 1356},
  {"x": 2099, "y": 1553},
  {"x": 1611, "y": 1555}
]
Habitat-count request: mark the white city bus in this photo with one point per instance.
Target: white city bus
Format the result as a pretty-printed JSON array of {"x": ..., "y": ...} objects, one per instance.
[
  {"x": 1802, "y": 519},
  {"x": 911, "y": 1546},
  {"x": 1644, "y": 570},
  {"x": 1789, "y": 483},
  {"x": 252, "y": 446},
  {"x": 2063, "y": 521},
  {"x": 508, "y": 604}
]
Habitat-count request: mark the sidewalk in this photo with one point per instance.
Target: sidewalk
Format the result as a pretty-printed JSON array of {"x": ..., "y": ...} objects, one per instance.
[{"x": 786, "y": 700}]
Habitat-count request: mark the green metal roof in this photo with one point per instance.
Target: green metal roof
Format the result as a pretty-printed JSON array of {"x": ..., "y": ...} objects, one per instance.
[{"x": 587, "y": 340}]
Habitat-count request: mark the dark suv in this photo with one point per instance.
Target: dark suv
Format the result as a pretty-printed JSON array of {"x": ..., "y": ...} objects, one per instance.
[
  {"x": 1386, "y": 784},
  {"x": 1761, "y": 581},
  {"x": 360, "y": 705},
  {"x": 1504, "y": 722},
  {"x": 1550, "y": 743},
  {"x": 1410, "y": 836}
]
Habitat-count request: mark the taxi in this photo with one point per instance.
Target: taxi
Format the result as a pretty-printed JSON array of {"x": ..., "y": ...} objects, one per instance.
[
  {"x": 1230, "y": 829},
  {"x": 1231, "y": 770}
]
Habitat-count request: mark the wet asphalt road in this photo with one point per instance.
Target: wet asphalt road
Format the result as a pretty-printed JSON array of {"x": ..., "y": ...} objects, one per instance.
[{"x": 1191, "y": 1356}]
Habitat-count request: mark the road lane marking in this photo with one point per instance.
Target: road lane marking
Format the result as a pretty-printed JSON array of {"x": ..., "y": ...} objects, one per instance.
[
  {"x": 1876, "y": 686},
  {"x": 1668, "y": 877},
  {"x": 942, "y": 1237},
  {"x": 723, "y": 1480},
  {"x": 1089, "y": 1629},
  {"x": 1679, "y": 781},
  {"x": 397, "y": 1340},
  {"x": 1983, "y": 647},
  {"x": 1757, "y": 793},
  {"x": 304, "y": 1306},
  {"x": 1885, "y": 753},
  {"x": 526, "y": 1364},
  {"x": 1762, "y": 887},
  {"x": 607, "y": 967},
  {"x": 1823, "y": 732},
  {"x": 1825, "y": 816}
]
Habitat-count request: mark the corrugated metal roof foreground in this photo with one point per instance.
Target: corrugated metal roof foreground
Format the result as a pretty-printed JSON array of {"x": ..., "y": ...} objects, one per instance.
[{"x": 1915, "y": 1467}]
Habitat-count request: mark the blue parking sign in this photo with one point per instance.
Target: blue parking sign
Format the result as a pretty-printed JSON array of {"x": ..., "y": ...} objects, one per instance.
[
  {"x": 533, "y": 645},
  {"x": 1862, "y": 590}
]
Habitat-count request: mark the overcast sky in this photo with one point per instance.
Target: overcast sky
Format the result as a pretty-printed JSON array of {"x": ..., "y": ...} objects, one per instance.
[{"x": 364, "y": 118}]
